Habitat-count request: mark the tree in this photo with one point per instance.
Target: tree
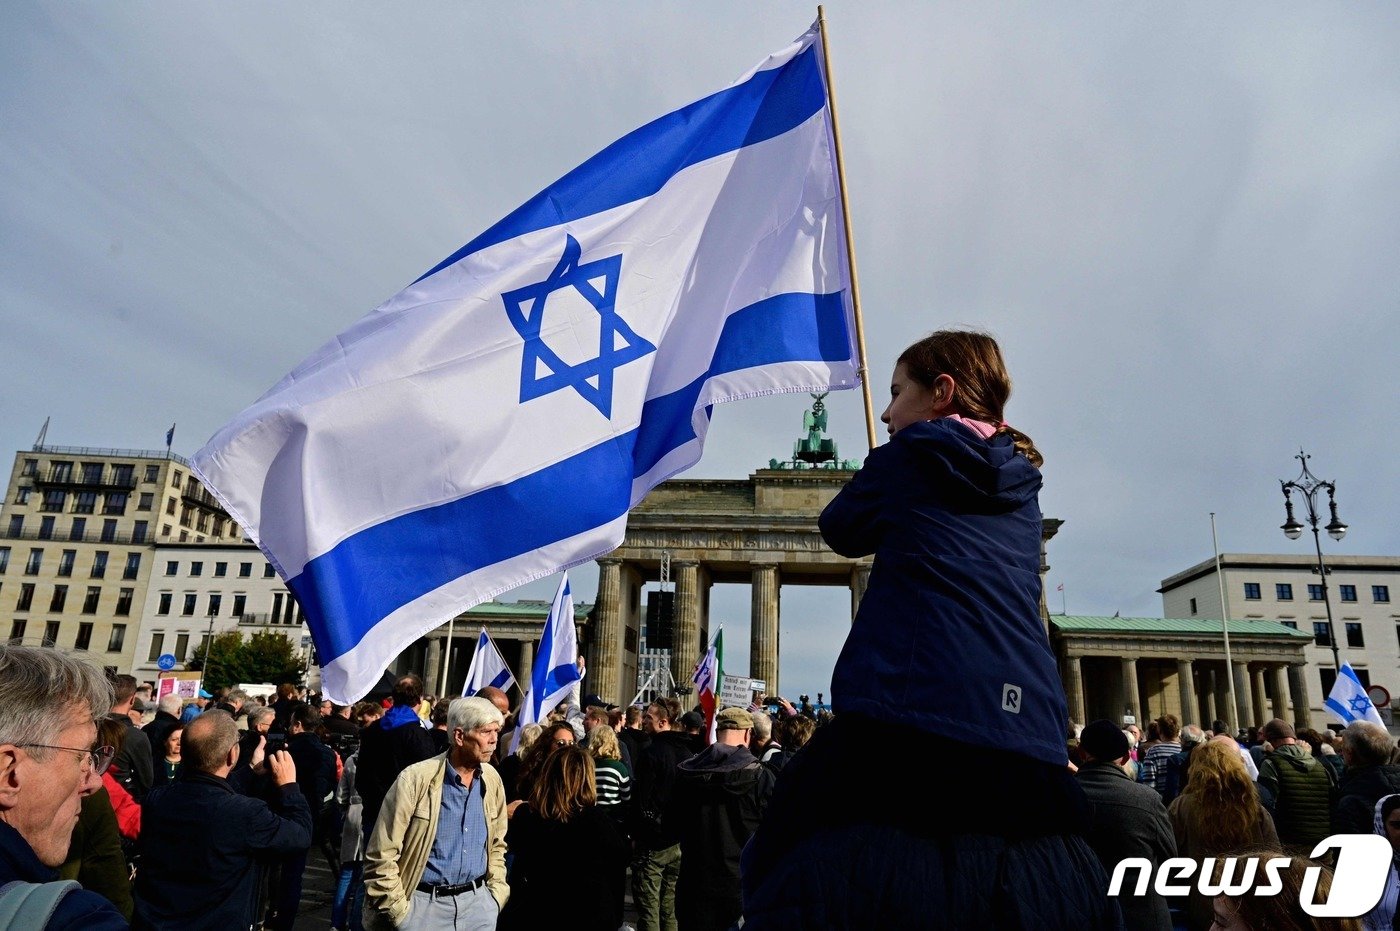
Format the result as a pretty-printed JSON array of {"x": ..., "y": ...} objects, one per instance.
[{"x": 266, "y": 657}]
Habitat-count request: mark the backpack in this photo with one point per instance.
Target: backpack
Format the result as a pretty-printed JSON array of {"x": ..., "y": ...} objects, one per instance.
[{"x": 25, "y": 906}]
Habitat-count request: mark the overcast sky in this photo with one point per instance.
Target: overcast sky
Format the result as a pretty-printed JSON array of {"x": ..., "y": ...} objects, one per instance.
[{"x": 1180, "y": 221}]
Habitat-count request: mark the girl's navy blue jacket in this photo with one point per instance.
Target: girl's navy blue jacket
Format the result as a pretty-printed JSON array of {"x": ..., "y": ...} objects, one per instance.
[{"x": 949, "y": 638}]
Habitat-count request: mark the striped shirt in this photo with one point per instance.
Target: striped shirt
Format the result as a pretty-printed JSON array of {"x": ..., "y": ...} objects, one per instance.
[{"x": 614, "y": 782}]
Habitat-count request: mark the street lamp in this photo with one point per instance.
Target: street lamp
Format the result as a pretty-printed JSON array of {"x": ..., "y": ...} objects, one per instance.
[{"x": 1308, "y": 485}]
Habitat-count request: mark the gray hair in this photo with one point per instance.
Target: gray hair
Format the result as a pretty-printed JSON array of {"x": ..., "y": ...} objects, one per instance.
[
  {"x": 170, "y": 704},
  {"x": 1370, "y": 744},
  {"x": 38, "y": 685},
  {"x": 1191, "y": 736},
  {"x": 259, "y": 712},
  {"x": 762, "y": 726},
  {"x": 471, "y": 713},
  {"x": 237, "y": 695}
]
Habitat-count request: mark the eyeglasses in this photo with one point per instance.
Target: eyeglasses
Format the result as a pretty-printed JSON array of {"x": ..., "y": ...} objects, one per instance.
[{"x": 100, "y": 757}]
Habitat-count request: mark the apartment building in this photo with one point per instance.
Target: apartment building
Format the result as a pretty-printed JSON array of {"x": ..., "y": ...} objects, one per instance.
[
  {"x": 78, "y": 531},
  {"x": 1364, "y": 593}
]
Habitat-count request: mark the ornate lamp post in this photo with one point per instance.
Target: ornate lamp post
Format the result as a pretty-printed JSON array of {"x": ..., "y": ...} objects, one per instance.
[{"x": 1307, "y": 486}]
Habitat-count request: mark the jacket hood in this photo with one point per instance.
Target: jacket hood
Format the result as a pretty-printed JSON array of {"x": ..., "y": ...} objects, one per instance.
[
  {"x": 722, "y": 768},
  {"x": 1378, "y": 822},
  {"x": 973, "y": 468}
]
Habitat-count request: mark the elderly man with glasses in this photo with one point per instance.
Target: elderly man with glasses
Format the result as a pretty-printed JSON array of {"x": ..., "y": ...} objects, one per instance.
[{"x": 49, "y": 706}]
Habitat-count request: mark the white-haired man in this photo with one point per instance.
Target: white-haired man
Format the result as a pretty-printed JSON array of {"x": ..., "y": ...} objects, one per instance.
[
  {"x": 49, "y": 706},
  {"x": 437, "y": 856}
]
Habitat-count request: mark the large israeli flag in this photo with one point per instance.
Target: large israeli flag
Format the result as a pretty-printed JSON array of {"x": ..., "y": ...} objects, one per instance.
[
  {"x": 488, "y": 667},
  {"x": 1349, "y": 700},
  {"x": 494, "y": 421}
]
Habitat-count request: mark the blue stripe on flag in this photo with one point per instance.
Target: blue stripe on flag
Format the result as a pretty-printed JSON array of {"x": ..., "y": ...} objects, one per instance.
[
  {"x": 636, "y": 166},
  {"x": 1343, "y": 712},
  {"x": 371, "y": 574},
  {"x": 501, "y": 679}
]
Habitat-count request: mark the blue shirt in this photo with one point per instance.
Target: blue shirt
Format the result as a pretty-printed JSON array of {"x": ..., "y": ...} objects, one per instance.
[{"x": 459, "y": 850}]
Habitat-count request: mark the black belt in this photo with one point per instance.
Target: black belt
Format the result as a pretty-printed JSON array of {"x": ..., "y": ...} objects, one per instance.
[{"x": 450, "y": 890}]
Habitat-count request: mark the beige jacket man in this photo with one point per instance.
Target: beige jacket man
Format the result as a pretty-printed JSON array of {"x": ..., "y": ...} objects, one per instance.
[{"x": 403, "y": 838}]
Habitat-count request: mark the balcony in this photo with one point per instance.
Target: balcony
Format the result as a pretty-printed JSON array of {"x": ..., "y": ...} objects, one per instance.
[
  {"x": 68, "y": 478},
  {"x": 94, "y": 537},
  {"x": 201, "y": 498}
]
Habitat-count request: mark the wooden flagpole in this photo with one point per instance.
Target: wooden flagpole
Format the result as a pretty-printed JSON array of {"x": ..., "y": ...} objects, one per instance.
[{"x": 862, "y": 369}]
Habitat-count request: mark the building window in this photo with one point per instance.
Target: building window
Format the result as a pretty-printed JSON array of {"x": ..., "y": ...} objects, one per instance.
[
  {"x": 171, "y": 567},
  {"x": 1314, "y": 592},
  {"x": 240, "y": 600},
  {"x": 1321, "y": 635},
  {"x": 1193, "y": 606},
  {"x": 17, "y": 525},
  {"x": 99, "y": 564},
  {"x": 123, "y": 474},
  {"x": 152, "y": 473},
  {"x": 170, "y": 505},
  {"x": 1292, "y": 624},
  {"x": 109, "y": 530},
  {"x": 65, "y": 562},
  {"x": 1348, "y": 592},
  {"x": 218, "y": 526},
  {"x": 124, "y": 602},
  {"x": 196, "y": 568},
  {"x": 220, "y": 570},
  {"x": 165, "y": 530},
  {"x": 157, "y": 644},
  {"x": 164, "y": 607},
  {"x": 185, "y": 517},
  {"x": 1283, "y": 591},
  {"x": 26, "y": 596},
  {"x": 202, "y": 525},
  {"x": 84, "y": 638},
  {"x": 61, "y": 472},
  {"x": 94, "y": 593},
  {"x": 176, "y": 478},
  {"x": 59, "y": 599},
  {"x": 92, "y": 473},
  {"x": 116, "y": 503},
  {"x": 117, "y": 638},
  {"x": 215, "y": 603},
  {"x": 1251, "y": 591},
  {"x": 146, "y": 501},
  {"x": 268, "y": 571},
  {"x": 1380, "y": 594},
  {"x": 276, "y": 607},
  {"x": 17, "y": 631},
  {"x": 188, "y": 609},
  {"x": 133, "y": 566},
  {"x": 4, "y": 559},
  {"x": 139, "y": 531},
  {"x": 1354, "y": 636},
  {"x": 85, "y": 502},
  {"x": 50, "y": 633},
  {"x": 36, "y": 559},
  {"x": 22, "y": 494},
  {"x": 245, "y": 570},
  {"x": 184, "y": 536},
  {"x": 46, "y": 528},
  {"x": 54, "y": 500},
  {"x": 182, "y": 646},
  {"x": 31, "y": 467},
  {"x": 79, "y": 528}
]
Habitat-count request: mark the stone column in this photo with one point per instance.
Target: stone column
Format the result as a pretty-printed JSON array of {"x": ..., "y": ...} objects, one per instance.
[
  {"x": 1298, "y": 691},
  {"x": 763, "y": 633},
  {"x": 606, "y": 680},
  {"x": 432, "y": 666},
  {"x": 687, "y": 644},
  {"x": 1074, "y": 689},
  {"x": 1241, "y": 679},
  {"x": 1188, "y": 692},
  {"x": 527, "y": 663},
  {"x": 1207, "y": 693},
  {"x": 1279, "y": 673},
  {"x": 860, "y": 581},
  {"x": 1130, "y": 691},
  {"x": 1260, "y": 696}
]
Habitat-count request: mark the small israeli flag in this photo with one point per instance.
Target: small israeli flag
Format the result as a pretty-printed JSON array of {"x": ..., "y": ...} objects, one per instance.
[
  {"x": 488, "y": 667},
  {"x": 1349, "y": 700},
  {"x": 556, "y": 664}
]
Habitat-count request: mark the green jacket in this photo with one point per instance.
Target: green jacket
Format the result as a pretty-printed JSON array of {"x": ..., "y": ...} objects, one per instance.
[
  {"x": 95, "y": 856},
  {"x": 1298, "y": 790},
  {"x": 403, "y": 838}
]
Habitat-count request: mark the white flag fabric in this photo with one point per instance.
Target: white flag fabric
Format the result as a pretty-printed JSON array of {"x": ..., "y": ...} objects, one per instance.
[
  {"x": 493, "y": 422},
  {"x": 556, "y": 662},
  {"x": 488, "y": 667},
  {"x": 1349, "y": 700}
]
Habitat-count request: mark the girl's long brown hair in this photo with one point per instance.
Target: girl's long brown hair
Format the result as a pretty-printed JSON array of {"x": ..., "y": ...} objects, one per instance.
[
  {"x": 973, "y": 360},
  {"x": 566, "y": 785},
  {"x": 1225, "y": 815}
]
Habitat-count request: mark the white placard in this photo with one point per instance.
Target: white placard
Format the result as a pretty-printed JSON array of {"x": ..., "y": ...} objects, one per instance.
[{"x": 736, "y": 692}]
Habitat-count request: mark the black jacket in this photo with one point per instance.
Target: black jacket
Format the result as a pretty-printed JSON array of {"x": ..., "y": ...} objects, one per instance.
[
  {"x": 315, "y": 768},
  {"x": 652, "y": 785},
  {"x": 1360, "y": 789},
  {"x": 133, "y": 764},
  {"x": 720, "y": 796},
  {"x": 201, "y": 843},
  {"x": 1129, "y": 820},
  {"x": 78, "y": 909},
  {"x": 384, "y": 753}
]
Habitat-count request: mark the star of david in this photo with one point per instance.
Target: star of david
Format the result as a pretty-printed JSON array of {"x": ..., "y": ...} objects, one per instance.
[
  {"x": 596, "y": 282},
  {"x": 1360, "y": 704}
]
